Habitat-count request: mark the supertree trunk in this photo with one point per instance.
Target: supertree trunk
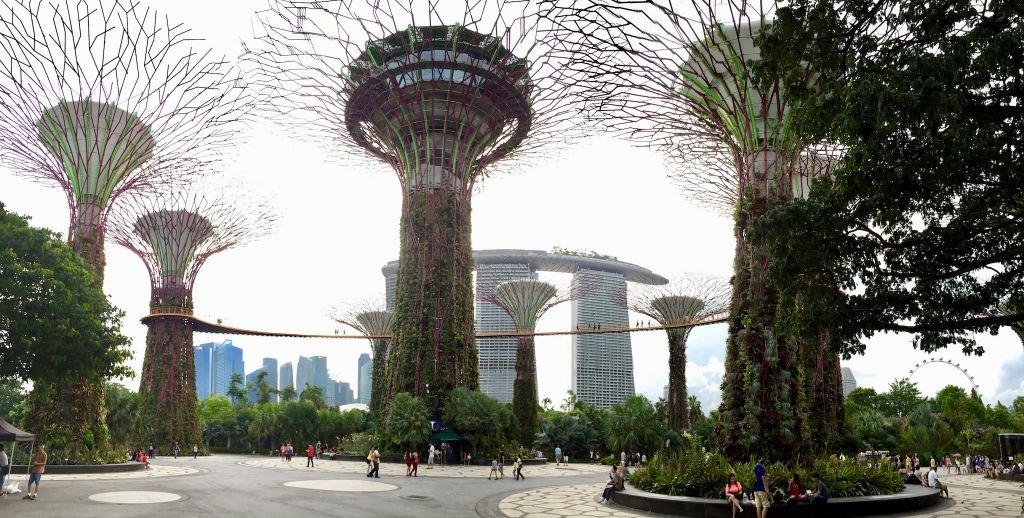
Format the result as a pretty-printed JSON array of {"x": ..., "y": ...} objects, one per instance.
[
  {"x": 524, "y": 391},
  {"x": 168, "y": 404},
  {"x": 678, "y": 417},
  {"x": 822, "y": 385},
  {"x": 431, "y": 355},
  {"x": 380, "y": 359},
  {"x": 761, "y": 397}
]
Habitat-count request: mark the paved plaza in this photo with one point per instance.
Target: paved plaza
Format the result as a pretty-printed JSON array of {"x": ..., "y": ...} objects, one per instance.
[{"x": 239, "y": 485}]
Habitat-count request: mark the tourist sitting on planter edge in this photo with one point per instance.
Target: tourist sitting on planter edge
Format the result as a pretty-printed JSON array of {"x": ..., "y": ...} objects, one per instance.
[
  {"x": 796, "y": 490},
  {"x": 733, "y": 490},
  {"x": 933, "y": 481},
  {"x": 615, "y": 483},
  {"x": 820, "y": 494}
]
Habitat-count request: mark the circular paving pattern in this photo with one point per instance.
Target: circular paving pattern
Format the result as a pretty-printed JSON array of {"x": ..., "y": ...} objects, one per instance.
[
  {"x": 354, "y": 486},
  {"x": 135, "y": 497}
]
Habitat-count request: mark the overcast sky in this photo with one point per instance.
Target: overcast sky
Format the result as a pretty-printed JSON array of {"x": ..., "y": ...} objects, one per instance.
[{"x": 339, "y": 224}]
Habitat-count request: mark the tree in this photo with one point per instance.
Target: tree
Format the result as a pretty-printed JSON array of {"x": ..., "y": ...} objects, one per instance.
[
  {"x": 236, "y": 390},
  {"x": 408, "y": 422},
  {"x": 122, "y": 413},
  {"x": 902, "y": 398},
  {"x": 919, "y": 225},
  {"x": 217, "y": 417},
  {"x": 288, "y": 394},
  {"x": 481, "y": 419},
  {"x": 264, "y": 390},
  {"x": 695, "y": 413},
  {"x": 12, "y": 396},
  {"x": 863, "y": 398},
  {"x": 314, "y": 395},
  {"x": 633, "y": 426},
  {"x": 55, "y": 321}
]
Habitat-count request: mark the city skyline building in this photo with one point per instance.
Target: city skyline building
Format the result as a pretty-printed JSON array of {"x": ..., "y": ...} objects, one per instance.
[
  {"x": 203, "y": 355},
  {"x": 591, "y": 372},
  {"x": 849, "y": 381},
  {"x": 303, "y": 373},
  {"x": 322, "y": 379},
  {"x": 270, "y": 365},
  {"x": 364, "y": 378},
  {"x": 286, "y": 376},
  {"x": 227, "y": 360}
]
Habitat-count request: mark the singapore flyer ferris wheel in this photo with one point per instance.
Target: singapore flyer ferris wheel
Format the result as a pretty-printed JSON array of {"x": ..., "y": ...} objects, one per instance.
[{"x": 919, "y": 365}]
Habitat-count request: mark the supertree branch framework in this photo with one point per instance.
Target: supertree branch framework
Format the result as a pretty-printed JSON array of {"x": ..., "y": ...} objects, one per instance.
[
  {"x": 687, "y": 298},
  {"x": 371, "y": 318},
  {"x": 443, "y": 98},
  {"x": 103, "y": 98},
  {"x": 677, "y": 77},
  {"x": 175, "y": 234},
  {"x": 526, "y": 301},
  {"x": 1007, "y": 308}
]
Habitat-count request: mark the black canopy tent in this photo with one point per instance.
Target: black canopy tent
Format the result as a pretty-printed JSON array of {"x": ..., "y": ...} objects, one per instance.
[{"x": 12, "y": 434}]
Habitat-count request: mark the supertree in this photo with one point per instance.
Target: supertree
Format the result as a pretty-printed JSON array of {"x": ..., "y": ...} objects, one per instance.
[
  {"x": 679, "y": 78},
  {"x": 175, "y": 234},
  {"x": 102, "y": 99},
  {"x": 686, "y": 299},
  {"x": 526, "y": 301},
  {"x": 371, "y": 318},
  {"x": 441, "y": 98}
]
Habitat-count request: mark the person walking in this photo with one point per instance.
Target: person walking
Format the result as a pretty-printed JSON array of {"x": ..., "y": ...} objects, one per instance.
[
  {"x": 430, "y": 457},
  {"x": 375, "y": 459},
  {"x": 494, "y": 470},
  {"x": 517, "y": 469},
  {"x": 36, "y": 473},
  {"x": 195, "y": 451},
  {"x": 152, "y": 452},
  {"x": 558, "y": 455},
  {"x": 309, "y": 455},
  {"x": 415, "y": 463}
]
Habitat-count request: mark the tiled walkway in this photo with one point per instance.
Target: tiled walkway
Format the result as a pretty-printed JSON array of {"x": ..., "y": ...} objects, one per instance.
[
  {"x": 971, "y": 495},
  {"x": 155, "y": 470}
]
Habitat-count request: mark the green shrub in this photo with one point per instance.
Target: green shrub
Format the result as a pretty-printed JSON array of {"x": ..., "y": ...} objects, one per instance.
[{"x": 693, "y": 471}]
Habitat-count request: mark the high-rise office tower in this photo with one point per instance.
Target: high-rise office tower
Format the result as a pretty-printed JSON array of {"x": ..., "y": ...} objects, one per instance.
[
  {"x": 365, "y": 378},
  {"x": 286, "y": 378},
  {"x": 590, "y": 354},
  {"x": 227, "y": 360},
  {"x": 849, "y": 382},
  {"x": 251, "y": 391},
  {"x": 270, "y": 365},
  {"x": 343, "y": 393},
  {"x": 602, "y": 373},
  {"x": 321, "y": 379},
  {"x": 497, "y": 355},
  {"x": 303, "y": 374},
  {"x": 204, "y": 369}
]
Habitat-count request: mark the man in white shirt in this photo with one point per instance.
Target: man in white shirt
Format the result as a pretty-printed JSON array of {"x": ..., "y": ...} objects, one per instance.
[
  {"x": 4, "y": 467},
  {"x": 933, "y": 481}
]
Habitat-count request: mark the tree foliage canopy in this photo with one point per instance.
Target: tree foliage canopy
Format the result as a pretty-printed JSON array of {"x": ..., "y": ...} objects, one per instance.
[
  {"x": 55, "y": 321},
  {"x": 920, "y": 225}
]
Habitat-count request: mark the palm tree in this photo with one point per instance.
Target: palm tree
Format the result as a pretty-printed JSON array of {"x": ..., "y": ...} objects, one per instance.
[
  {"x": 236, "y": 390},
  {"x": 408, "y": 421},
  {"x": 288, "y": 394}
]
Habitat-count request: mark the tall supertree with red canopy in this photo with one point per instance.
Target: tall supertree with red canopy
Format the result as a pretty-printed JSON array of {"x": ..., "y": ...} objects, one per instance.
[
  {"x": 174, "y": 235},
  {"x": 685, "y": 300},
  {"x": 441, "y": 97},
  {"x": 371, "y": 318},
  {"x": 679, "y": 76},
  {"x": 104, "y": 98}
]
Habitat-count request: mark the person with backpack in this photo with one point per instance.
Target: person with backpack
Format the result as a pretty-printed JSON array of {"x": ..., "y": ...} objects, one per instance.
[{"x": 375, "y": 459}]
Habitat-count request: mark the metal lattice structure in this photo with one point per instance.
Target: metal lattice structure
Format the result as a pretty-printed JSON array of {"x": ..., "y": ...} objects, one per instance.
[
  {"x": 175, "y": 234},
  {"x": 444, "y": 98},
  {"x": 688, "y": 298},
  {"x": 371, "y": 318},
  {"x": 678, "y": 77},
  {"x": 1006, "y": 309},
  {"x": 951, "y": 363},
  {"x": 104, "y": 98}
]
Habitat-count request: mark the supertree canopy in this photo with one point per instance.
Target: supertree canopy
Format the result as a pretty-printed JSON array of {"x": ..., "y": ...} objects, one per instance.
[
  {"x": 439, "y": 97},
  {"x": 102, "y": 99},
  {"x": 371, "y": 318},
  {"x": 526, "y": 301},
  {"x": 686, "y": 299},
  {"x": 174, "y": 235},
  {"x": 678, "y": 77}
]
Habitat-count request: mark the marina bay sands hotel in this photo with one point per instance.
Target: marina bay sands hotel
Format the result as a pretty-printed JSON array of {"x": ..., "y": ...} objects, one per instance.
[{"x": 602, "y": 364}]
